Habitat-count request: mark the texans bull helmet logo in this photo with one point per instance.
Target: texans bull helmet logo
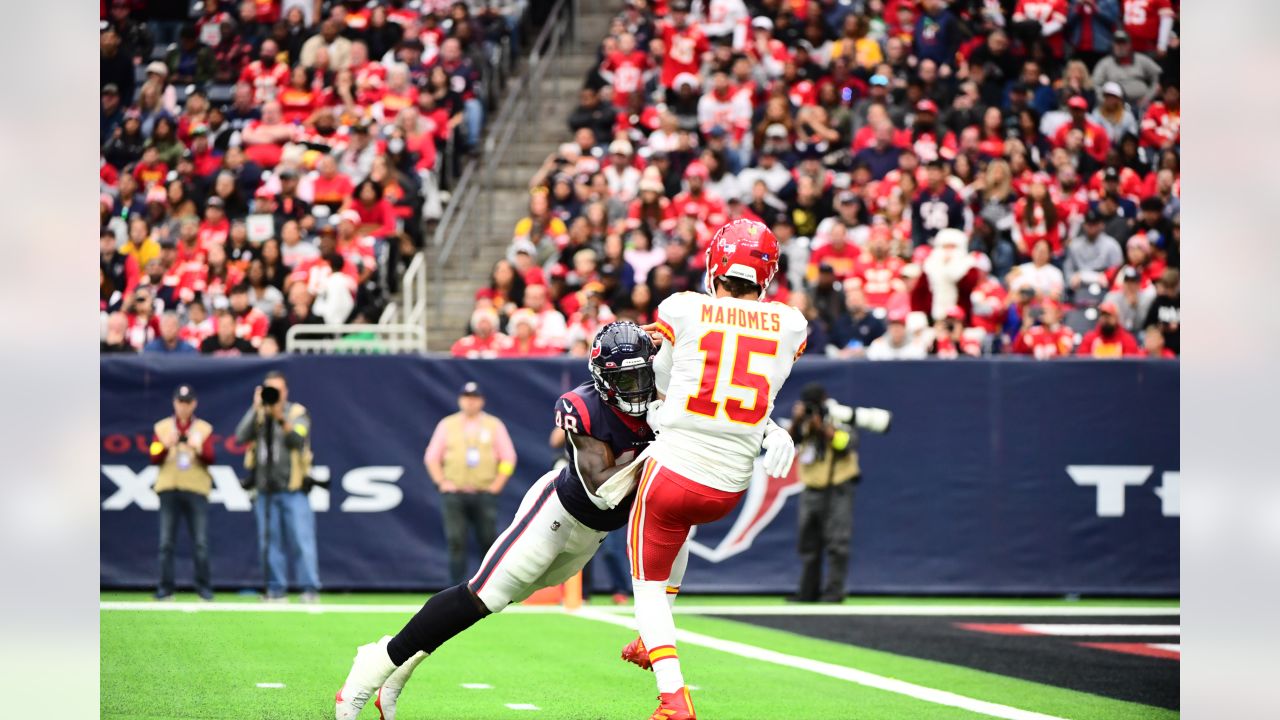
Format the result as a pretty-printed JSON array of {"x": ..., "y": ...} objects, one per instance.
[{"x": 764, "y": 499}]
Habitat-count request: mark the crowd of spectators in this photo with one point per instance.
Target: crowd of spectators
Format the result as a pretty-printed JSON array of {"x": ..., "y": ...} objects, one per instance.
[
  {"x": 946, "y": 178},
  {"x": 270, "y": 163}
]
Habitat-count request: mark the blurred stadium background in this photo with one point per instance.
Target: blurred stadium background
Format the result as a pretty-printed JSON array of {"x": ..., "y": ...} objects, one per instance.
[{"x": 979, "y": 201}]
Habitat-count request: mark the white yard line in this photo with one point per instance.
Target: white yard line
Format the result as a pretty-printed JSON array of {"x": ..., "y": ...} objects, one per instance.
[
  {"x": 521, "y": 706},
  {"x": 785, "y": 610},
  {"x": 1103, "y": 630},
  {"x": 477, "y": 686},
  {"x": 271, "y": 685},
  {"x": 840, "y": 672}
]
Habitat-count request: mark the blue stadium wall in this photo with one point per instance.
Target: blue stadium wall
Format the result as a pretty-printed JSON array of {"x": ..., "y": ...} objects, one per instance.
[{"x": 998, "y": 476}]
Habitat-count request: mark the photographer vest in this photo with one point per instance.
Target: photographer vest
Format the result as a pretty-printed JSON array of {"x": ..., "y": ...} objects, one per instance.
[
  {"x": 299, "y": 458},
  {"x": 177, "y": 472},
  {"x": 470, "y": 462},
  {"x": 836, "y": 466}
]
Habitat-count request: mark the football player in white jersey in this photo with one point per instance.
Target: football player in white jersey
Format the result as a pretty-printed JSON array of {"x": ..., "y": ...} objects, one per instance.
[{"x": 723, "y": 357}]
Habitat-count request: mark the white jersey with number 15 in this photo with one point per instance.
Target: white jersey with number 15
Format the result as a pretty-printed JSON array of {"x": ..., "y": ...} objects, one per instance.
[{"x": 720, "y": 366}]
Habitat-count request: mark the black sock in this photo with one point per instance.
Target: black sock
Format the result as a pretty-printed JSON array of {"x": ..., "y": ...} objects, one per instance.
[{"x": 446, "y": 614}]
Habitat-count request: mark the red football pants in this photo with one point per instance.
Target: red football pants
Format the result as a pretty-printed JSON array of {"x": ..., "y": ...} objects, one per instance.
[{"x": 666, "y": 508}]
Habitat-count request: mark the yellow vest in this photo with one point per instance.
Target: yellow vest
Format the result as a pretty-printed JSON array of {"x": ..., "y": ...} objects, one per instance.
[
  {"x": 833, "y": 469},
  {"x": 299, "y": 459},
  {"x": 195, "y": 478},
  {"x": 478, "y": 471}
]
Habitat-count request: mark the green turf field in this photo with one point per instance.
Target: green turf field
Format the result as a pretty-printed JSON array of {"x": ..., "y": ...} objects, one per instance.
[{"x": 201, "y": 661}]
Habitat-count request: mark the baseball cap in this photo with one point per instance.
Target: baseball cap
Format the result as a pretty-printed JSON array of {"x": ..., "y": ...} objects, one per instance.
[
  {"x": 927, "y": 105},
  {"x": 1109, "y": 308},
  {"x": 158, "y": 68},
  {"x": 717, "y": 132},
  {"x": 776, "y": 130},
  {"x": 1120, "y": 36},
  {"x": 1139, "y": 240},
  {"x": 846, "y": 196},
  {"x": 185, "y": 393},
  {"x": 264, "y": 192},
  {"x": 685, "y": 79},
  {"x": 471, "y": 389},
  {"x": 620, "y": 147},
  {"x": 1093, "y": 216},
  {"x": 110, "y": 89},
  {"x": 349, "y": 216},
  {"x": 762, "y": 23},
  {"x": 1078, "y": 102},
  {"x": 523, "y": 245},
  {"x": 679, "y": 5},
  {"x": 1130, "y": 274},
  {"x": 1111, "y": 173},
  {"x": 880, "y": 80},
  {"x": 217, "y": 202},
  {"x": 956, "y": 313},
  {"x": 1050, "y": 304},
  {"x": 1113, "y": 88}
]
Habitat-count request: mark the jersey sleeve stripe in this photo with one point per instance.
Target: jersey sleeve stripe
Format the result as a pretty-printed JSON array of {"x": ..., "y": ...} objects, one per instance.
[
  {"x": 581, "y": 407},
  {"x": 800, "y": 350},
  {"x": 665, "y": 329}
]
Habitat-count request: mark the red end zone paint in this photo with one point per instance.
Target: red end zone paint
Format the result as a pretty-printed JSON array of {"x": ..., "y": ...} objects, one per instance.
[
  {"x": 1143, "y": 649},
  {"x": 997, "y": 628}
]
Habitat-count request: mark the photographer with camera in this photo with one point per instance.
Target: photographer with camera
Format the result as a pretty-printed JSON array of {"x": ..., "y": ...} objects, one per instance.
[
  {"x": 182, "y": 445},
  {"x": 276, "y": 434},
  {"x": 826, "y": 437}
]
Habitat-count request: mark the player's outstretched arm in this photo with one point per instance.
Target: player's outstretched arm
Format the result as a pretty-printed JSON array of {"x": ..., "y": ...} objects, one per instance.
[{"x": 594, "y": 461}]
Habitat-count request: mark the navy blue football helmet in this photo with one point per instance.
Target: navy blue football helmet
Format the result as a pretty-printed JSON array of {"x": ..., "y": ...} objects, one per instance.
[{"x": 621, "y": 362}]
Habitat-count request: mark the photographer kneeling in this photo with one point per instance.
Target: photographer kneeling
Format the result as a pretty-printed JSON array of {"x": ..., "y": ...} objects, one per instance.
[
  {"x": 826, "y": 438},
  {"x": 277, "y": 455}
]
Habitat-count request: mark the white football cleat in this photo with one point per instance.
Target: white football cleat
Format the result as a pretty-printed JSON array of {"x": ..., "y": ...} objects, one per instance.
[
  {"x": 391, "y": 689},
  {"x": 370, "y": 669}
]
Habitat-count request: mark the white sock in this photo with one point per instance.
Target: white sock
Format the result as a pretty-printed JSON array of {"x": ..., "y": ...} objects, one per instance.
[{"x": 658, "y": 631}]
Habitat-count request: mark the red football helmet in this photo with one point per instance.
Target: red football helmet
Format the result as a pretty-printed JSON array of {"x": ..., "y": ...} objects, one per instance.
[{"x": 745, "y": 249}]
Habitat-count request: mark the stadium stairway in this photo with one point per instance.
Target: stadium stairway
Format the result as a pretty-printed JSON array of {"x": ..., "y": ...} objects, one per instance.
[{"x": 505, "y": 200}]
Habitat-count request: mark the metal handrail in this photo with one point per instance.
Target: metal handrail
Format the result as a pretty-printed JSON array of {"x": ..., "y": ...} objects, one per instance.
[
  {"x": 356, "y": 339},
  {"x": 478, "y": 176}
]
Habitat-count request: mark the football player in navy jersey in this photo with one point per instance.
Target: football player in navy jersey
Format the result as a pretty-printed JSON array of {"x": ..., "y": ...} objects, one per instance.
[{"x": 558, "y": 528}]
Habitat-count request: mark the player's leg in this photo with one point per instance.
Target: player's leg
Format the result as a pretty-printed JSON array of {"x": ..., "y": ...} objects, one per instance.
[
  {"x": 666, "y": 508},
  {"x": 635, "y": 652},
  {"x": 519, "y": 556}
]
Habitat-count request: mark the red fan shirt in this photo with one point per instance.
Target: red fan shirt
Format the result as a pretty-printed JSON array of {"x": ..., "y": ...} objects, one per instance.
[
  {"x": 1044, "y": 343},
  {"x": 1161, "y": 125},
  {"x": 1094, "y": 344},
  {"x": 297, "y": 105},
  {"x": 843, "y": 261},
  {"x": 252, "y": 325},
  {"x": 1045, "y": 12},
  {"x": 267, "y": 82},
  {"x": 685, "y": 47},
  {"x": 1142, "y": 21},
  {"x": 880, "y": 279},
  {"x": 627, "y": 72},
  {"x": 1096, "y": 142}
]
